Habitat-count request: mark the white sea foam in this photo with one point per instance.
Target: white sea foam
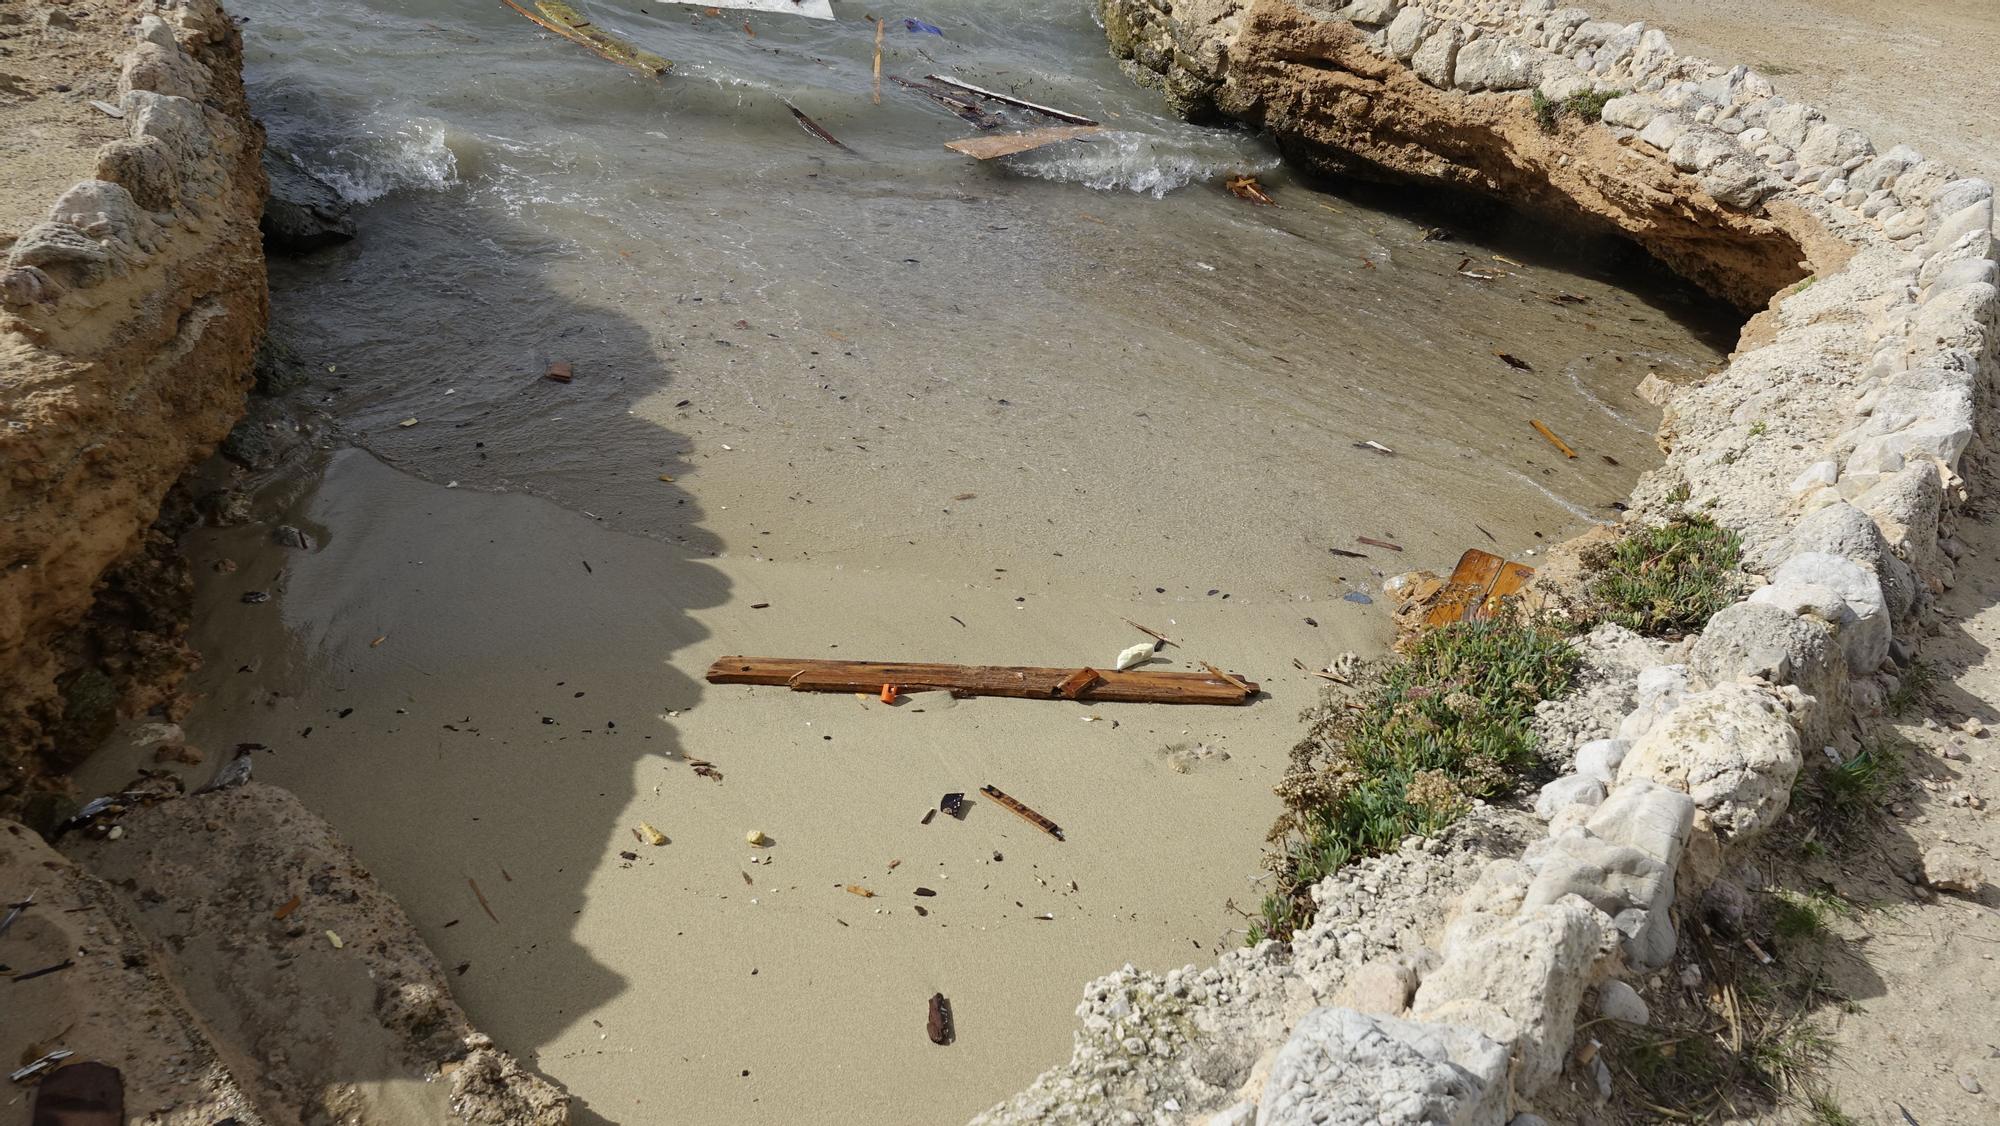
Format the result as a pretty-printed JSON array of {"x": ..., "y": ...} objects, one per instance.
[
  {"x": 1144, "y": 162},
  {"x": 416, "y": 156}
]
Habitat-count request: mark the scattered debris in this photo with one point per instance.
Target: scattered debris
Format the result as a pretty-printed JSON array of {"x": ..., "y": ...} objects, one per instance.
[
  {"x": 1345, "y": 554},
  {"x": 1515, "y": 362},
  {"x": 31, "y": 975},
  {"x": 1059, "y": 115},
  {"x": 857, "y": 889},
  {"x": 651, "y": 835},
  {"x": 1018, "y": 682},
  {"x": 817, "y": 130},
  {"x": 1437, "y": 234},
  {"x": 938, "y": 1024},
  {"x": 1078, "y": 681},
  {"x": 106, "y": 108},
  {"x": 1156, "y": 635},
  {"x": 1372, "y": 542},
  {"x": 756, "y": 838},
  {"x": 875, "y": 93},
  {"x": 925, "y": 892},
  {"x": 481, "y": 896},
  {"x": 14, "y": 912},
  {"x": 574, "y": 26},
  {"x": 559, "y": 371},
  {"x": 1478, "y": 586},
  {"x": 42, "y": 1064},
  {"x": 1357, "y": 596},
  {"x": 1378, "y": 447},
  {"x": 253, "y": 597},
  {"x": 1129, "y": 657},
  {"x": 705, "y": 769},
  {"x": 1007, "y": 144},
  {"x": 919, "y": 26},
  {"x": 1026, "y": 814},
  {"x": 1246, "y": 187},
  {"x": 1481, "y": 275},
  {"x": 888, "y": 694},
  {"x": 334, "y": 939},
  {"x": 1558, "y": 443},
  {"x": 289, "y": 906},
  {"x": 952, "y": 805}
]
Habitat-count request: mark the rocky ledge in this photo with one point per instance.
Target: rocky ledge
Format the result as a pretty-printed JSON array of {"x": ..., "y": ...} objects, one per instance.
[
  {"x": 1445, "y": 983},
  {"x": 128, "y": 317}
]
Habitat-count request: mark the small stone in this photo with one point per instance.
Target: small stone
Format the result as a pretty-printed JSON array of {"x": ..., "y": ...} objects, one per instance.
[
  {"x": 1620, "y": 1002},
  {"x": 1970, "y": 1084},
  {"x": 1971, "y": 726},
  {"x": 1949, "y": 869}
]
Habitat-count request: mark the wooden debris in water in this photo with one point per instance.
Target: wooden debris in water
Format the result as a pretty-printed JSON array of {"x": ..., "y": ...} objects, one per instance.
[
  {"x": 576, "y": 27},
  {"x": 1018, "y": 682},
  {"x": 1009, "y": 99},
  {"x": 1515, "y": 362},
  {"x": 1007, "y": 144},
  {"x": 1373, "y": 542},
  {"x": 1247, "y": 187},
  {"x": 875, "y": 94},
  {"x": 1558, "y": 443},
  {"x": 816, "y": 129},
  {"x": 1023, "y": 812},
  {"x": 481, "y": 896}
]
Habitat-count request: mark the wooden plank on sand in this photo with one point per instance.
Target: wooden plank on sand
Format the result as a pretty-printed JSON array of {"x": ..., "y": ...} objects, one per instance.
[
  {"x": 1017, "y": 682},
  {"x": 1466, "y": 590},
  {"x": 1508, "y": 584}
]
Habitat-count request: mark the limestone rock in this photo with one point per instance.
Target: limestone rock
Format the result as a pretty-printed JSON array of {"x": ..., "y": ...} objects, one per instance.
[
  {"x": 1732, "y": 749},
  {"x": 1569, "y": 790},
  {"x": 1436, "y": 60},
  {"x": 1380, "y": 988},
  {"x": 1406, "y": 32},
  {"x": 1521, "y": 984},
  {"x": 1493, "y": 64},
  {"x": 1620, "y": 1002},
  {"x": 1373, "y": 13},
  {"x": 1599, "y": 758},
  {"x": 1840, "y": 591},
  {"x": 1755, "y": 639},
  {"x": 1343, "y": 1068},
  {"x": 1633, "y": 111},
  {"x": 1623, "y": 861},
  {"x": 1949, "y": 868}
]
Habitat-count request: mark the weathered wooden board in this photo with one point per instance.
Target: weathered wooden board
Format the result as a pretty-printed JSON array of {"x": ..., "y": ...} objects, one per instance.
[
  {"x": 1018, "y": 682},
  {"x": 1007, "y": 144}
]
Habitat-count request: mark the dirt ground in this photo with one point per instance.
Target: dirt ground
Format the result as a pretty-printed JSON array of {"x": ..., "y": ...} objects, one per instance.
[{"x": 1918, "y": 73}]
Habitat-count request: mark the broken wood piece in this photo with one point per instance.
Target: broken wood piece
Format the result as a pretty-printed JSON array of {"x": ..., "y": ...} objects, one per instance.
[
  {"x": 1016, "y": 682},
  {"x": 560, "y": 371},
  {"x": 1373, "y": 542},
  {"x": 815, "y": 128},
  {"x": 1558, "y": 443},
  {"x": 1022, "y": 811},
  {"x": 857, "y": 889},
  {"x": 290, "y": 905},
  {"x": 875, "y": 94},
  {"x": 1059, "y": 115},
  {"x": 1465, "y": 591},
  {"x": 937, "y": 1024},
  {"x": 574, "y": 26},
  {"x": 1513, "y": 577},
  {"x": 1246, "y": 187},
  {"x": 1007, "y": 144},
  {"x": 1218, "y": 672},
  {"x": 1152, "y": 633},
  {"x": 1073, "y": 685},
  {"x": 481, "y": 896}
]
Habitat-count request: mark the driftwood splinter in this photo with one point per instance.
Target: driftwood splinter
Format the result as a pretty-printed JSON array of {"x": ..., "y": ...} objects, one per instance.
[
  {"x": 1059, "y": 115},
  {"x": 1017, "y": 682},
  {"x": 1023, "y": 812}
]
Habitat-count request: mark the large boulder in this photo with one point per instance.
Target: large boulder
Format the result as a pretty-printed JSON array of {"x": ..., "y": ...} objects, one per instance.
[
  {"x": 1770, "y": 643},
  {"x": 1343, "y": 1068},
  {"x": 1732, "y": 749},
  {"x": 303, "y": 213},
  {"x": 1521, "y": 982},
  {"x": 1841, "y": 592},
  {"x": 1621, "y": 861}
]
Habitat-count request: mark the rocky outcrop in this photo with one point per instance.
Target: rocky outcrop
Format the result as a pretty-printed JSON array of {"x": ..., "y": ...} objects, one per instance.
[
  {"x": 1830, "y": 444},
  {"x": 128, "y": 317},
  {"x": 272, "y": 963}
]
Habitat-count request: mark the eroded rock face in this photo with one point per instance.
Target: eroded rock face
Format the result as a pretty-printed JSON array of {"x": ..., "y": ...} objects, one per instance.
[
  {"x": 1345, "y": 1067},
  {"x": 127, "y": 322},
  {"x": 1340, "y": 96}
]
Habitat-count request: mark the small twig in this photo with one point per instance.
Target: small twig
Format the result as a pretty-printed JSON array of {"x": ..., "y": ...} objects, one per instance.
[
  {"x": 483, "y": 905},
  {"x": 1153, "y": 633}
]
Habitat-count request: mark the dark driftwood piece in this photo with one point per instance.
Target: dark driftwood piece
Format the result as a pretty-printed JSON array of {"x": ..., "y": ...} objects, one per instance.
[{"x": 1018, "y": 682}]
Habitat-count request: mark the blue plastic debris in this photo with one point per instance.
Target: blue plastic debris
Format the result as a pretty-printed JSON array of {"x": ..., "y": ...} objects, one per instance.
[
  {"x": 920, "y": 26},
  {"x": 1357, "y": 596}
]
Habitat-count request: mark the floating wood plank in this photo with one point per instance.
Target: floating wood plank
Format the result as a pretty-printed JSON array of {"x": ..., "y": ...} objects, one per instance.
[
  {"x": 810, "y": 9},
  {"x": 1465, "y": 591},
  {"x": 1023, "y": 812},
  {"x": 574, "y": 26},
  {"x": 1007, "y": 144},
  {"x": 1558, "y": 443},
  {"x": 815, "y": 128},
  {"x": 1059, "y": 115},
  {"x": 1017, "y": 682}
]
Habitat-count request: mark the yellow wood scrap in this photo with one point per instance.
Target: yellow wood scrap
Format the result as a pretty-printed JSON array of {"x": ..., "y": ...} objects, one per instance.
[
  {"x": 1007, "y": 144},
  {"x": 1558, "y": 443},
  {"x": 574, "y": 26}
]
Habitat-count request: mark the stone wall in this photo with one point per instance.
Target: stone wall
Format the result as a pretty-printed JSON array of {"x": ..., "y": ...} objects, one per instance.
[
  {"x": 1442, "y": 984},
  {"x": 128, "y": 318}
]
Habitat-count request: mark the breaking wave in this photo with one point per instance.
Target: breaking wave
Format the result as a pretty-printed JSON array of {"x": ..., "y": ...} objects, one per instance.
[
  {"x": 1144, "y": 162},
  {"x": 415, "y": 156}
]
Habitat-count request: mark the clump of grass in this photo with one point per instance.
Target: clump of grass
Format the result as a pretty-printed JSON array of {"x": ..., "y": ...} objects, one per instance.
[
  {"x": 1586, "y": 107},
  {"x": 1667, "y": 580},
  {"x": 1447, "y": 723},
  {"x": 1912, "y": 685},
  {"x": 1798, "y": 917},
  {"x": 1840, "y": 798}
]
